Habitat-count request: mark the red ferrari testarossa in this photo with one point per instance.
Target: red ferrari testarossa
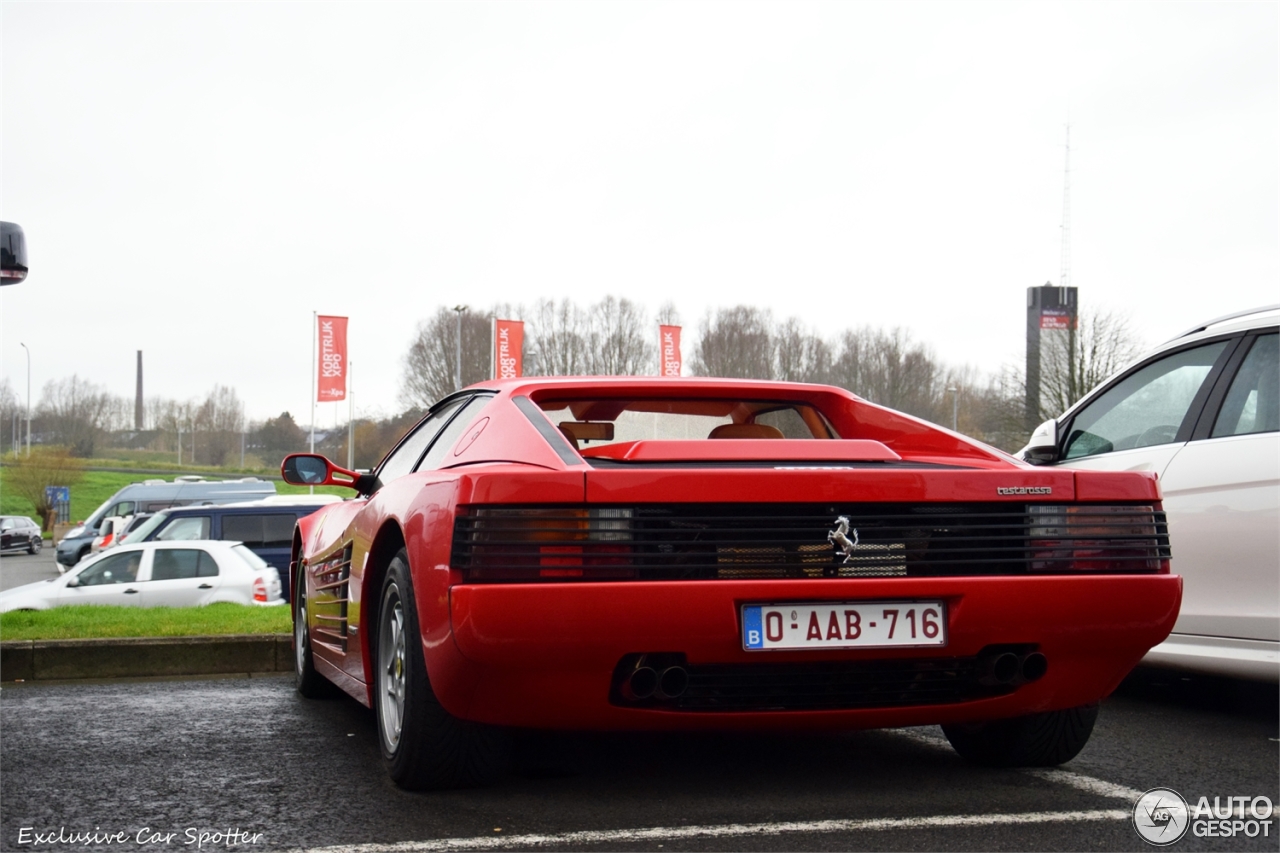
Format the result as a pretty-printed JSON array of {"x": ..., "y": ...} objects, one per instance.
[{"x": 642, "y": 553}]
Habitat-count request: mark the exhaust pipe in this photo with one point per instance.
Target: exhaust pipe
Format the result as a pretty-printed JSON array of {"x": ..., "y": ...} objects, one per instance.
[
  {"x": 673, "y": 682},
  {"x": 998, "y": 669},
  {"x": 1034, "y": 666},
  {"x": 640, "y": 684}
]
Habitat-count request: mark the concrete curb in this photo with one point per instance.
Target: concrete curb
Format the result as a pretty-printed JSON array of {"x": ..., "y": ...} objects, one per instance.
[{"x": 140, "y": 657}]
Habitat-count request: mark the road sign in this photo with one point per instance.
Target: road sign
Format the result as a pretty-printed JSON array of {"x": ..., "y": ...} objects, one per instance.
[{"x": 59, "y": 497}]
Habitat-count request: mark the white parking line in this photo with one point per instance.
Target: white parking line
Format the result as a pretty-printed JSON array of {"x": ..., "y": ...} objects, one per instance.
[
  {"x": 1062, "y": 777},
  {"x": 1088, "y": 783},
  {"x": 1079, "y": 781},
  {"x": 677, "y": 833}
]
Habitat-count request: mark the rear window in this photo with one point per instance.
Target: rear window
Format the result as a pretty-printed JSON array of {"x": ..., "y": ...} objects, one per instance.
[
  {"x": 170, "y": 564},
  {"x": 254, "y": 561},
  {"x": 186, "y": 527},
  {"x": 260, "y": 530},
  {"x": 600, "y": 422}
]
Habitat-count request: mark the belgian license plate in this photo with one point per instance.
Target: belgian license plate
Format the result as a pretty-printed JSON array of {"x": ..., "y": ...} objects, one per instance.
[{"x": 844, "y": 625}]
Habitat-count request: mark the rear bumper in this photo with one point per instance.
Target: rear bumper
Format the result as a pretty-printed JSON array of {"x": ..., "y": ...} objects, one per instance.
[{"x": 543, "y": 655}]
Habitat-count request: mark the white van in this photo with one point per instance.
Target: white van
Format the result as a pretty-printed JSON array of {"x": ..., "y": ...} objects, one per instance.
[{"x": 154, "y": 495}]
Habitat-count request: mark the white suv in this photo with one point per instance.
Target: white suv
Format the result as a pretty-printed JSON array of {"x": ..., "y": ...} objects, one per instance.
[{"x": 1203, "y": 412}]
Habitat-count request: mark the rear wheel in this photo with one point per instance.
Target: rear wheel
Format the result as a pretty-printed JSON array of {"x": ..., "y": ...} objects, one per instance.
[
  {"x": 1036, "y": 740},
  {"x": 34, "y": 546},
  {"x": 425, "y": 746},
  {"x": 310, "y": 683}
]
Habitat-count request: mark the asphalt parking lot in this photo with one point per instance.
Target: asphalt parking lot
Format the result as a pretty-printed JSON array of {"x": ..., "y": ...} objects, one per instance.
[
  {"x": 246, "y": 764},
  {"x": 19, "y": 569}
]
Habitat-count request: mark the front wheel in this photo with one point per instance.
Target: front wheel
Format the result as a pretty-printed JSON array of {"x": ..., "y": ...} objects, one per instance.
[
  {"x": 425, "y": 746},
  {"x": 1036, "y": 740}
]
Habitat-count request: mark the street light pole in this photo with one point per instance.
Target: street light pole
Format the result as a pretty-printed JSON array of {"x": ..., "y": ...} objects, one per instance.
[
  {"x": 458, "y": 366},
  {"x": 955, "y": 408},
  {"x": 28, "y": 351}
]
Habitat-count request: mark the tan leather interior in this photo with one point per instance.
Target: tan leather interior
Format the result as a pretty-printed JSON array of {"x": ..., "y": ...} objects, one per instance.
[{"x": 745, "y": 431}]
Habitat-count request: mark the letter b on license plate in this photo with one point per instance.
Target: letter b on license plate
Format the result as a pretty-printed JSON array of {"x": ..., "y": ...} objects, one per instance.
[{"x": 844, "y": 625}]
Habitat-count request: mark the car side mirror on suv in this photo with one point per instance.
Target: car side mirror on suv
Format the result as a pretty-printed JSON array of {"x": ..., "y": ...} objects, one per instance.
[{"x": 1042, "y": 448}]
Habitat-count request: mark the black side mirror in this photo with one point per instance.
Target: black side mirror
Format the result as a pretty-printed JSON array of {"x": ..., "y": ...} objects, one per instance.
[
  {"x": 305, "y": 469},
  {"x": 312, "y": 469},
  {"x": 13, "y": 253}
]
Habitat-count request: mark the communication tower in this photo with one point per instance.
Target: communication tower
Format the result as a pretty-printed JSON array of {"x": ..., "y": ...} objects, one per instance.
[{"x": 1051, "y": 310}]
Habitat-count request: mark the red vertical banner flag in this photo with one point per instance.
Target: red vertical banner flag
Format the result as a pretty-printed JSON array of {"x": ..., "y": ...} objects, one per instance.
[
  {"x": 331, "y": 381},
  {"x": 669, "y": 361},
  {"x": 508, "y": 349}
]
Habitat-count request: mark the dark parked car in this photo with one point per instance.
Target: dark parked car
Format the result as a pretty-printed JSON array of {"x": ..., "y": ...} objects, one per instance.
[{"x": 19, "y": 533}]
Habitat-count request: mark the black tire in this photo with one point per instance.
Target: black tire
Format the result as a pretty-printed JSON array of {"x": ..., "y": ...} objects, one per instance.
[
  {"x": 1036, "y": 740},
  {"x": 84, "y": 552},
  {"x": 424, "y": 745},
  {"x": 34, "y": 546},
  {"x": 310, "y": 683}
]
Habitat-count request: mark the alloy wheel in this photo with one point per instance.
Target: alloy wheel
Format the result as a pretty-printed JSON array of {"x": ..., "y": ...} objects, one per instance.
[{"x": 391, "y": 673}]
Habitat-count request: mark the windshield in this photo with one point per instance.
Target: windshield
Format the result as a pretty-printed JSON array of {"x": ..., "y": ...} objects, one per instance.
[
  {"x": 142, "y": 531},
  {"x": 98, "y": 513}
]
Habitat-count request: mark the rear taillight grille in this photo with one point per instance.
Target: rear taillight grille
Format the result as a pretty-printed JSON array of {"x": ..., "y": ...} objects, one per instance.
[{"x": 696, "y": 542}]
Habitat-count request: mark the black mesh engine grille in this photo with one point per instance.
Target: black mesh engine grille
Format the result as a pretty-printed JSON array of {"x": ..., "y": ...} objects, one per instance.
[{"x": 744, "y": 541}]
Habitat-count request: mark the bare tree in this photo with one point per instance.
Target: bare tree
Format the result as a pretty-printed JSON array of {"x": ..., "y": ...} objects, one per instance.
[
  {"x": 1073, "y": 363},
  {"x": 735, "y": 342},
  {"x": 890, "y": 369},
  {"x": 12, "y": 415},
  {"x": 996, "y": 410},
  {"x": 561, "y": 334},
  {"x": 28, "y": 477},
  {"x": 668, "y": 315},
  {"x": 618, "y": 343},
  {"x": 800, "y": 355},
  {"x": 430, "y": 365},
  {"x": 175, "y": 421},
  {"x": 219, "y": 421},
  {"x": 74, "y": 413}
]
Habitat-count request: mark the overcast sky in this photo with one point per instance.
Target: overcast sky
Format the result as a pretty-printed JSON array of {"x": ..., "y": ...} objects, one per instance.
[{"x": 195, "y": 179}]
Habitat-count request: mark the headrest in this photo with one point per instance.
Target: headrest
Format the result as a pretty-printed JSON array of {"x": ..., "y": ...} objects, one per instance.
[{"x": 745, "y": 431}]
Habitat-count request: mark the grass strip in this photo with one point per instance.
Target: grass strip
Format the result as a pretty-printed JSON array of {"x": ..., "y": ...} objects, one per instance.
[
  {"x": 97, "y": 486},
  {"x": 91, "y": 621}
]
